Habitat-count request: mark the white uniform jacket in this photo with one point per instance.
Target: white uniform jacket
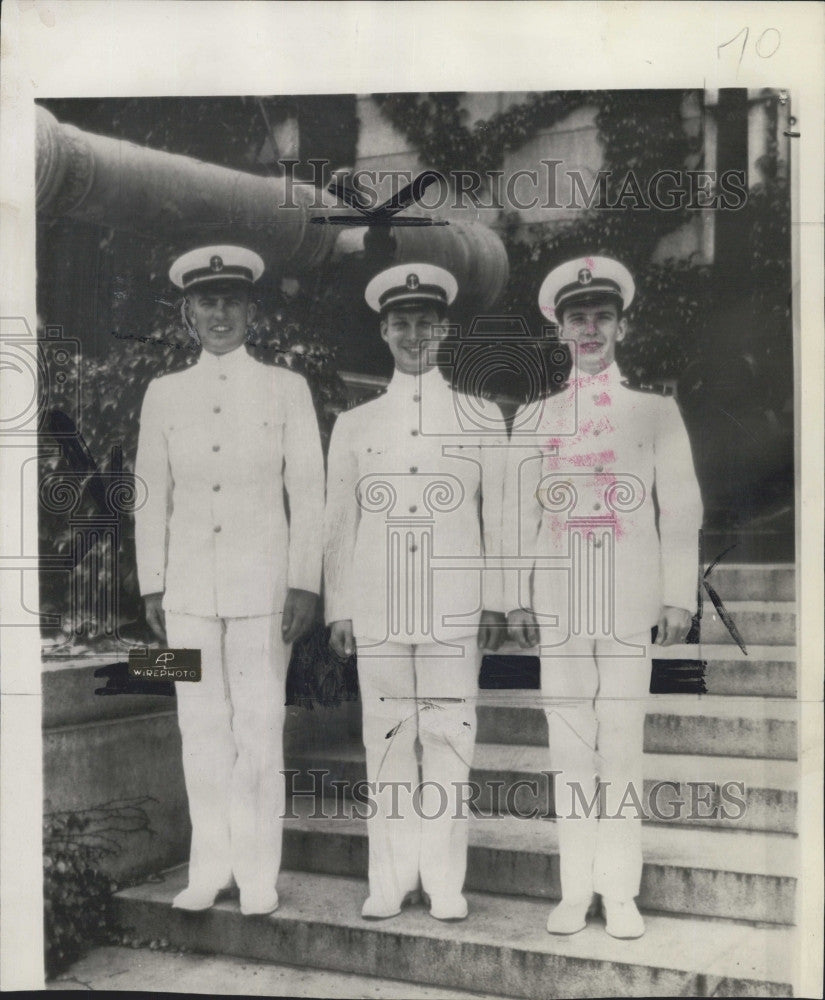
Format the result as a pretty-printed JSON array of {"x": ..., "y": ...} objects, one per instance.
[
  {"x": 582, "y": 491},
  {"x": 218, "y": 444},
  {"x": 414, "y": 494}
]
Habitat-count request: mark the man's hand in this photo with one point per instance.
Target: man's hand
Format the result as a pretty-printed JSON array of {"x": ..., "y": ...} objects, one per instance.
[
  {"x": 341, "y": 639},
  {"x": 492, "y": 630},
  {"x": 155, "y": 618},
  {"x": 673, "y": 625},
  {"x": 523, "y": 628},
  {"x": 299, "y": 613}
]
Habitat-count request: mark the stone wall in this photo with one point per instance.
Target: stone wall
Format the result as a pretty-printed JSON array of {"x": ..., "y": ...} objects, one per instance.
[{"x": 102, "y": 750}]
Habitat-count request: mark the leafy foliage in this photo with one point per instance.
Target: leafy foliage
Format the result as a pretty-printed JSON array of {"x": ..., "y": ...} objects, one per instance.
[{"x": 77, "y": 894}]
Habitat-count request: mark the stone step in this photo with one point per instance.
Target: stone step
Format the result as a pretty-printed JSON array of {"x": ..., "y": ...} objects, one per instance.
[
  {"x": 766, "y": 671},
  {"x": 733, "y": 874},
  {"x": 683, "y": 723},
  {"x": 151, "y": 972},
  {"x": 502, "y": 948},
  {"x": 754, "y": 582},
  {"x": 752, "y": 544},
  {"x": 758, "y": 622},
  {"x": 679, "y": 790}
]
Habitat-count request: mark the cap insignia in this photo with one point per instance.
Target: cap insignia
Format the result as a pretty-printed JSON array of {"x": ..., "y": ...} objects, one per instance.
[
  {"x": 585, "y": 276},
  {"x": 216, "y": 263},
  {"x": 412, "y": 281}
]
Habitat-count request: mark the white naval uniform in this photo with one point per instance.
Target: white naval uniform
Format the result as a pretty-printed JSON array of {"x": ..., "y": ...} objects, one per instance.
[
  {"x": 597, "y": 571},
  {"x": 413, "y": 513},
  {"x": 219, "y": 443}
]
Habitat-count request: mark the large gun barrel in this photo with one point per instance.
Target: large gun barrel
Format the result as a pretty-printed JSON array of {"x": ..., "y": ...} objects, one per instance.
[
  {"x": 115, "y": 183},
  {"x": 111, "y": 182}
]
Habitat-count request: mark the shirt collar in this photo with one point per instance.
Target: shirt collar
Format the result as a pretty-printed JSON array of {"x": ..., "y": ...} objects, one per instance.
[
  {"x": 223, "y": 363},
  {"x": 610, "y": 375},
  {"x": 401, "y": 382}
]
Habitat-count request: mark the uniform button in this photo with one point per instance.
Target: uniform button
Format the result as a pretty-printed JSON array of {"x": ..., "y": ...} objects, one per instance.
[
  {"x": 597, "y": 544},
  {"x": 222, "y": 378},
  {"x": 216, "y": 447},
  {"x": 413, "y": 509},
  {"x": 599, "y": 468},
  {"x": 216, "y": 409},
  {"x": 597, "y": 506},
  {"x": 416, "y": 398},
  {"x": 414, "y": 433},
  {"x": 217, "y": 487},
  {"x": 596, "y": 433},
  {"x": 217, "y": 529},
  {"x": 413, "y": 548},
  {"x": 413, "y": 469}
]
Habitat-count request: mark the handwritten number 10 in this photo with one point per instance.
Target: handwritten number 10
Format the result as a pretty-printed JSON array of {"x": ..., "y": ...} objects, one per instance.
[{"x": 766, "y": 45}]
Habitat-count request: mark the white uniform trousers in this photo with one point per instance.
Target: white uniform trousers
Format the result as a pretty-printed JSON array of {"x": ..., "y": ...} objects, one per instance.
[
  {"x": 231, "y": 725},
  {"x": 595, "y": 697},
  {"x": 410, "y": 691}
]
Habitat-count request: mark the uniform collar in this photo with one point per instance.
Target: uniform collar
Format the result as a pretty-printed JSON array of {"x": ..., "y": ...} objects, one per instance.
[
  {"x": 223, "y": 363},
  {"x": 401, "y": 382},
  {"x": 609, "y": 376}
]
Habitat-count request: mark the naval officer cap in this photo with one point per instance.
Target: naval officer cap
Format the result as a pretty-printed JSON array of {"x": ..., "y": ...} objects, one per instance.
[
  {"x": 222, "y": 263},
  {"x": 409, "y": 284},
  {"x": 583, "y": 280}
]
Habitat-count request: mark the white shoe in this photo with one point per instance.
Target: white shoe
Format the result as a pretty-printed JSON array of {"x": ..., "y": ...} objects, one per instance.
[
  {"x": 256, "y": 906},
  {"x": 195, "y": 898},
  {"x": 450, "y": 909},
  {"x": 569, "y": 917},
  {"x": 375, "y": 909},
  {"x": 622, "y": 918}
]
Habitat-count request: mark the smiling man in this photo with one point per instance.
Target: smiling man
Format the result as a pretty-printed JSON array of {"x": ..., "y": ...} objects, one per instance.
[
  {"x": 222, "y": 570},
  {"x": 604, "y": 512},
  {"x": 413, "y": 516}
]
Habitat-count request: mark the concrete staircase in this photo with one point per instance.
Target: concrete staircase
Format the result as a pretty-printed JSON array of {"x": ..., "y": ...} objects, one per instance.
[{"x": 719, "y": 882}]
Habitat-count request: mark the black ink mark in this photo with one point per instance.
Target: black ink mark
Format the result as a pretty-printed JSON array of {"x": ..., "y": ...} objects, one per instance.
[
  {"x": 118, "y": 681},
  {"x": 678, "y": 677},
  {"x": 154, "y": 340},
  {"x": 509, "y": 673},
  {"x": 721, "y": 610},
  {"x": 383, "y": 215}
]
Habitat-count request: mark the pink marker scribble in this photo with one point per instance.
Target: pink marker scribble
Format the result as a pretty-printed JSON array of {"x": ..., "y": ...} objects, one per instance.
[
  {"x": 594, "y": 458},
  {"x": 589, "y": 262}
]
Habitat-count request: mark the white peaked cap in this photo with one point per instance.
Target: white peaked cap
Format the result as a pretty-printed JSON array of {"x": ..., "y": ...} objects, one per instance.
[
  {"x": 585, "y": 279},
  {"x": 216, "y": 263},
  {"x": 406, "y": 283}
]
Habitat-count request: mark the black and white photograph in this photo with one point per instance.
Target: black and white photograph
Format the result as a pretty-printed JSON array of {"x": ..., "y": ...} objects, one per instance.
[{"x": 407, "y": 526}]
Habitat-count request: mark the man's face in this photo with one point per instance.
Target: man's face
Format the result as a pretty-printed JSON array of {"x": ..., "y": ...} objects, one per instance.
[
  {"x": 220, "y": 314},
  {"x": 595, "y": 329},
  {"x": 409, "y": 332}
]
